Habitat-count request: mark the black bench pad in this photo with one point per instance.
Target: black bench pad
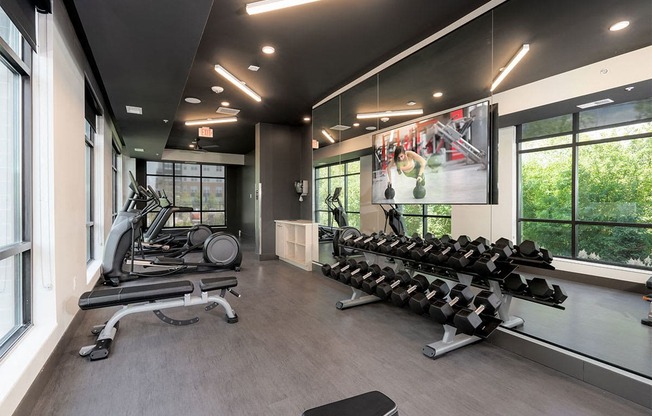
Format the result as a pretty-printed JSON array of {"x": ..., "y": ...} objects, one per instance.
[
  {"x": 373, "y": 403},
  {"x": 102, "y": 298},
  {"x": 214, "y": 283}
]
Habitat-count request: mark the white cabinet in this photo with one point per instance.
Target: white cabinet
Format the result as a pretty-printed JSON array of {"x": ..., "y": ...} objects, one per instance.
[{"x": 296, "y": 242}]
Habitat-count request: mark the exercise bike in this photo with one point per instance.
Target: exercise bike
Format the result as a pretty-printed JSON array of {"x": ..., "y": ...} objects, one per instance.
[
  {"x": 343, "y": 232},
  {"x": 220, "y": 250}
]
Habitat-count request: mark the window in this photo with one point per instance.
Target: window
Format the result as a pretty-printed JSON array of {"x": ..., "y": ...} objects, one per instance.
[
  {"x": 199, "y": 186},
  {"x": 585, "y": 184},
  {"x": 421, "y": 219},
  {"x": 89, "y": 136},
  {"x": 15, "y": 202},
  {"x": 327, "y": 178},
  {"x": 115, "y": 185}
]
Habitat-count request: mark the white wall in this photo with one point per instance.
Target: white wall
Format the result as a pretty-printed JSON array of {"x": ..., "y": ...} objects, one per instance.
[{"x": 60, "y": 273}]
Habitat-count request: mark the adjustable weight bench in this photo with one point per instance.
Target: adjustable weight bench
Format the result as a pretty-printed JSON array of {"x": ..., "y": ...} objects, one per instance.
[{"x": 153, "y": 297}]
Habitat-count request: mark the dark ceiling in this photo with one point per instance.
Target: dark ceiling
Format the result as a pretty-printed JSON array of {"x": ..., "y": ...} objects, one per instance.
[{"x": 154, "y": 53}]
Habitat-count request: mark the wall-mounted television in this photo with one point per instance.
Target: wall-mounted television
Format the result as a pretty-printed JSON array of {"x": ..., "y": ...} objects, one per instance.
[{"x": 443, "y": 158}]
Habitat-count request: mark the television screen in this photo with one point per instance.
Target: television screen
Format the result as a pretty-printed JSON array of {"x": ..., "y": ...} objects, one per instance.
[{"x": 440, "y": 159}]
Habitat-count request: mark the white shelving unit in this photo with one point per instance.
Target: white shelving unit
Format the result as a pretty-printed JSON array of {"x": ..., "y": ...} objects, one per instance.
[{"x": 296, "y": 242}]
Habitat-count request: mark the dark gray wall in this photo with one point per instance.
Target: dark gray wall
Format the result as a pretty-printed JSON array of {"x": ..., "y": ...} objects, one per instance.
[
  {"x": 248, "y": 187},
  {"x": 234, "y": 199},
  {"x": 281, "y": 158}
]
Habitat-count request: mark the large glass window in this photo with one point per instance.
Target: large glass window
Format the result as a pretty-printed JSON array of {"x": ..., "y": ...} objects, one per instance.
[
  {"x": 15, "y": 237},
  {"x": 585, "y": 184},
  {"x": 201, "y": 187},
  {"x": 421, "y": 219},
  {"x": 327, "y": 178},
  {"x": 89, "y": 138}
]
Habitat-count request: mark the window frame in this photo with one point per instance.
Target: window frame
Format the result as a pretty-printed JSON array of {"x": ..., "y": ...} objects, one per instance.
[
  {"x": 344, "y": 194},
  {"x": 174, "y": 176},
  {"x": 20, "y": 63},
  {"x": 575, "y": 145}
]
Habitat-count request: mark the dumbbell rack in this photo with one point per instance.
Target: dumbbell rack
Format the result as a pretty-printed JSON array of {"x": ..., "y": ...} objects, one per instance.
[{"x": 451, "y": 340}]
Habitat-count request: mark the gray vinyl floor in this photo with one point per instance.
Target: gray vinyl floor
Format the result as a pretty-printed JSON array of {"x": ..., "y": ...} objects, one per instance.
[{"x": 293, "y": 350}]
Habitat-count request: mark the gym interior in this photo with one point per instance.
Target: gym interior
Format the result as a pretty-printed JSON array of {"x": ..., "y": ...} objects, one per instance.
[{"x": 505, "y": 259}]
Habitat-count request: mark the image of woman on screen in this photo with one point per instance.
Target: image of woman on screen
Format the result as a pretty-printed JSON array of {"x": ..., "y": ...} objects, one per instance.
[{"x": 407, "y": 163}]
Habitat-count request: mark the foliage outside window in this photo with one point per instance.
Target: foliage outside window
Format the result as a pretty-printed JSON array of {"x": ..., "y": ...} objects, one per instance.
[
  {"x": 115, "y": 175},
  {"x": 199, "y": 186},
  {"x": 585, "y": 184},
  {"x": 327, "y": 178},
  {"x": 421, "y": 219},
  {"x": 15, "y": 204}
]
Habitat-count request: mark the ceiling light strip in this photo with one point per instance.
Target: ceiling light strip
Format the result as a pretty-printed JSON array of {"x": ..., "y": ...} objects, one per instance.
[
  {"x": 271, "y": 5},
  {"x": 328, "y": 136},
  {"x": 391, "y": 113},
  {"x": 211, "y": 121},
  {"x": 235, "y": 81},
  {"x": 515, "y": 60}
]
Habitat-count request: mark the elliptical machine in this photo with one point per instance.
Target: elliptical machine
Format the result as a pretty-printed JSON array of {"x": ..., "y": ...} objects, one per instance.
[
  {"x": 394, "y": 219},
  {"x": 220, "y": 250},
  {"x": 343, "y": 232}
]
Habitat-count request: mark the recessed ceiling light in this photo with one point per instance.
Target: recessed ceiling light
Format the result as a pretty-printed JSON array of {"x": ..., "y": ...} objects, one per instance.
[
  {"x": 264, "y": 6},
  {"x": 356, "y": 124},
  {"x": 165, "y": 120},
  {"x": 619, "y": 26},
  {"x": 438, "y": 94},
  {"x": 268, "y": 49},
  {"x": 253, "y": 68},
  {"x": 370, "y": 128},
  {"x": 192, "y": 100},
  {"x": 384, "y": 119},
  {"x": 138, "y": 149},
  {"x": 134, "y": 110},
  {"x": 217, "y": 89},
  {"x": 192, "y": 146},
  {"x": 629, "y": 88},
  {"x": 604, "y": 71},
  {"x": 225, "y": 103},
  {"x": 306, "y": 118},
  {"x": 411, "y": 103}
]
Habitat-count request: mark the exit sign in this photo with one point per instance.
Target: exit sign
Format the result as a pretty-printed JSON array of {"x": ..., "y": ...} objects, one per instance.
[{"x": 205, "y": 132}]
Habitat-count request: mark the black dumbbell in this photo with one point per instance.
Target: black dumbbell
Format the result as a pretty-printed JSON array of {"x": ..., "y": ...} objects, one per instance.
[
  {"x": 335, "y": 271},
  {"x": 401, "y": 295},
  {"x": 540, "y": 288},
  {"x": 369, "y": 285},
  {"x": 375, "y": 245},
  {"x": 420, "y": 302},
  {"x": 515, "y": 283},
  {"x": 404, "y": 250},
  {"x": 384, "y": 289},
  {"x": 467, "y": 321},
  {"x": 392, "y": 247},
  {"x": 357, "y": 279},
  {"x": 345, "y": 276},
  {"x": 532, "y": 250},
  {"x": 441, "y": 257},
  {"x": 363, "y": 243},
  {"x": 463, "y": 258},
  {"x": 419, "y": 254},
  {"x": 353, "y": 241},
  {"x": 326, "y": 268},
  {"x": 441, "y": 311},
  {"x": 486, "y": 264}
]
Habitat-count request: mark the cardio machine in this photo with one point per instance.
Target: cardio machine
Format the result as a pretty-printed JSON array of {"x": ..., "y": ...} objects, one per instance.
[
  {"x": 220, "y": 250},
  {"x": 343, "y": 232}
]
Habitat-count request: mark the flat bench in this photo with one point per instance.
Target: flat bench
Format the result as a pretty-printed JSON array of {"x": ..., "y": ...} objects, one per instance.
[
  {"x": 153, "y": 298},
  {"x": 373, "y": 403}
]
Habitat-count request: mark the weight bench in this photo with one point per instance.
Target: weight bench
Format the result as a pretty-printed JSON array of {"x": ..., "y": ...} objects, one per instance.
[
  {"x": 153, "y": 297},
  {"x": 373, "y": 403}
]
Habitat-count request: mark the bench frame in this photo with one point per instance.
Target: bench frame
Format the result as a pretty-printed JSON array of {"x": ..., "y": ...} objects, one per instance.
[{"x": 108, "y": 331}]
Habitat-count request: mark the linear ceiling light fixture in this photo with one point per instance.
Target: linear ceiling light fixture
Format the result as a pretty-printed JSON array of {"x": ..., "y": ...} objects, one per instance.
[
  {"x": 211, "y": 121},
  {"x": 391, "y": 113},
  {"x": 271, "y": 5},
  {"x": 328, "y": 136},
  {"x": 515, "y": 60},
  {"x": 235, "y": 81}
]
